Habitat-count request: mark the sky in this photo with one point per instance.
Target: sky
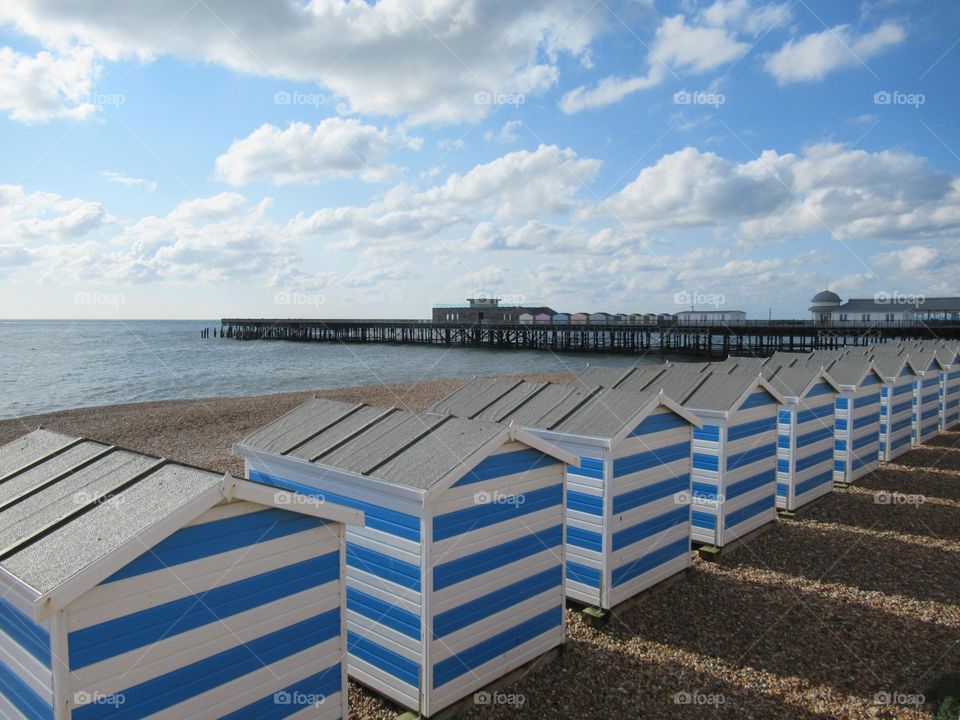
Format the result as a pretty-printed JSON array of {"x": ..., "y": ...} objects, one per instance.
[{"x": 342, "y": 159}]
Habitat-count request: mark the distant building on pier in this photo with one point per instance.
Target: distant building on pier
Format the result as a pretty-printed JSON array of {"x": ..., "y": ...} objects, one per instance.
[{"x": 827, "y": 308}]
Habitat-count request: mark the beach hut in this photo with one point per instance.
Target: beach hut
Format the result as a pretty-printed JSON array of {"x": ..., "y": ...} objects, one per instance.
[
  {"x": 561, "y": 319},
  {"x": 627, "y": 514},
  {"x": 856, "y": 418},
  {"x": 950, "y": 387},
  {"x": 896, "y": 402},
  {"x": 734, "y": 453},
  {"x": 804, "y": 432},
  {"x": 135, "y": 587},
  {"x": 542, "y": 318},
  {"x": 930, "y": 371},
  {"x": 600, "y": 318},
  {"x": 525, "y": 318},
  {"x": 457, "y": 577},
  {"x": 580, "y": 318}
]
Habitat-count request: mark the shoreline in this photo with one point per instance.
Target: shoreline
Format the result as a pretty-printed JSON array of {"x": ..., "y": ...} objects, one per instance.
[{"x": 202, "y": 431}]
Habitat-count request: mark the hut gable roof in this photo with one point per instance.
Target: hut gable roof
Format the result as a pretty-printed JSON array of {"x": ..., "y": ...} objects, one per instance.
[
  {"x": 72, "y": 510},
  {"x": 399, "y": 447}
]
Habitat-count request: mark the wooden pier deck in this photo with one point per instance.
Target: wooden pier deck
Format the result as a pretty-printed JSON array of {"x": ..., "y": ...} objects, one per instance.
[{"x": 748, "y": 338}]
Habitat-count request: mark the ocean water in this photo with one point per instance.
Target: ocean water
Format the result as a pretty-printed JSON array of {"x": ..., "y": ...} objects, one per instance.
[{"x": 56, "y": 365}]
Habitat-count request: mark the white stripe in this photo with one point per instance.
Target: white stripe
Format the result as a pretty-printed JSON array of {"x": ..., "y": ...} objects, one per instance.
[
  {"x": 30, "y": 670},
  {"x": 491, "y": 536}
]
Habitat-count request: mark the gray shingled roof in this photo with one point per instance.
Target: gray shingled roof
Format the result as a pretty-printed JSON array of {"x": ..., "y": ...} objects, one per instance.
[
  {"x": 399, "y": 447},
  {"x": 66, "y": 502},
  {"x": 569, "y": 408},
  {"x": 847, "y": 370}
]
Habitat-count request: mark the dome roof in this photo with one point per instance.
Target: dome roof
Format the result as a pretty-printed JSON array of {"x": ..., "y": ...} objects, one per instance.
[{"x": 827, "y": 296}]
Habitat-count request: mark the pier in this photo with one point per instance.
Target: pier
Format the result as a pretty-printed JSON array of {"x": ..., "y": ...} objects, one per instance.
[{"x": 749, "y": 337}]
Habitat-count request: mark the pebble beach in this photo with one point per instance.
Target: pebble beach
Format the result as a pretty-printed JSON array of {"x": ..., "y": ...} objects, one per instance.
[{"x": 848, "y": 610}]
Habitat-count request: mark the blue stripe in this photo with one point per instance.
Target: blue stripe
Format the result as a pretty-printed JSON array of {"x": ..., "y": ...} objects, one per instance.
[
  {"x": 484, "y": 515},
  {"x": 748, "y": 429},
  {"x": 808, "y": 461},
  {"x": 649, "y": 493},
  {"x": 784, "y": 417},
  {"x": 508, "y": 463},
  {"x": 782, "y": 490},
  {"x": 191, "y": 680},
  {"x": 805, "y": 416},
  {"x": 489, "y": 649},
  {"x": 860, "y": 462},
  {"x": 104, "y": 640},
  {"x": 376, "y": 516},
  {"x": 704, "y": 491},
  {"x": 783, "y": 465},
  {"x": 648, "y": 562},
  {"x": 871, "y": 379},
  {"x": 583, "y": 574},
  {"x": 783, "y": 442},
  {"x": 383, "y": 566},
  {"x": 839, "y": 466},
  {"x": 483, "y": 607},
  {"x": 460, "y": 569},
  {"x": 840, "y": 424},
  {"x": 842, "y": 403},
  {"x": 702, "y": 461},
  {"x": 578, "y": 537},
  {"x": 900, "y": 442},
  {"x": 589, "y": 467},
  {"x": 703, "y": 520},
  {"x": 659, "y": 423},
  {"x": 902, "y": 407},
  {"x": 821, "y": 388},
  {"x": 868, "y": 401},
  {"x": 900, "y": 425},
  {"x": 22, "y": 696},
  {"x": 219, "y": 536},
  {"x": 907, "y": 370},
  {"x": 24, "y": 632},
  {"x": 751, "y": 456},
  {"x": 648, "y": 528},
  {"x": 582, "y": 502},
  {"x": 384, "y": 613},
  {"x": 402, "y": 668},
  {"x": 862, "y": 442},
  {"x": 840, "y": 445},
  {"x": 710, "y": 433},
  {"x": 751, "y": 483},
  {"x": 815, "y": 481},
  {"x": 748, "y": 511},
  {"x": 758, "y": 399},
  {"x": 930, "y": 381},
  {"x": 814, "y": 436},
  {"x": 652, "y": 458},
  {"x": 324, "y": 684},
  {"x": 905, "y": 388}
]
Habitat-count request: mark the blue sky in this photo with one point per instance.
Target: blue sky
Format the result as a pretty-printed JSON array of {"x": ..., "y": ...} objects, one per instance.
[{"x": 340, "y": 159}]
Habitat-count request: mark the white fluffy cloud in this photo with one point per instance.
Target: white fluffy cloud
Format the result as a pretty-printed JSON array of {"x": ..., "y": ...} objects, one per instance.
[
  {"x": 26, "y": 216},
  {"x": 126, "y": 181},
  {"x": 681, "y": 46},
  {"x": 364, "y": 52},
  {"x": 47, "y": 85},
  {"x": 814, "y": 56},
  {"x": 335, "y": 148},
  {"x": 886, "y": 195}
]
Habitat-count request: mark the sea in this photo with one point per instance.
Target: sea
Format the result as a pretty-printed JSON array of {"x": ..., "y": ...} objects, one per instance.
[{"x": 49, "y": 365}]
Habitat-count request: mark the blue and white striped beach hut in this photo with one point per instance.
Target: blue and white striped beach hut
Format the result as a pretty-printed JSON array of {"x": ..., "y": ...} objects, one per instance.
[
  {"x": 734, "y": 473},
  {"x": 134, "y": 587},
  {"x": 926, "y": 394},
  {"x": 856, "y": 419},
  {"x": 457, "y": 577},
  {"x": 949, "y": 386},
  {"x": 896, "y": 401},
  {"x": 804, "y": 433},
  {"x": 628, "y": 524}
]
